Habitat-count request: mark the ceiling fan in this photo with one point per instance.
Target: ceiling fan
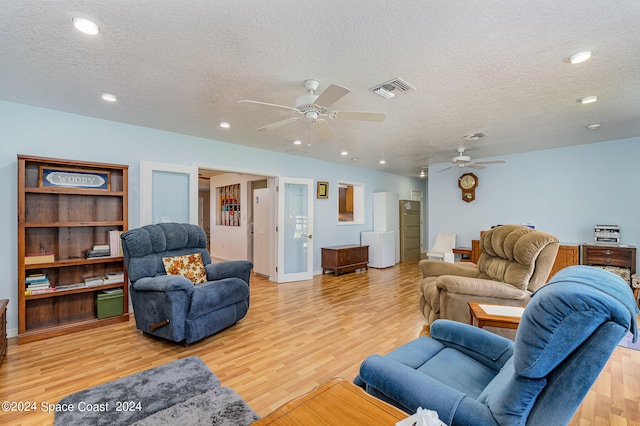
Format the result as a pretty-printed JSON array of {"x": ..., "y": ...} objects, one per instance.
[
  {"x": 462, "y": 160},
  {"x": 315, "y": 108}
]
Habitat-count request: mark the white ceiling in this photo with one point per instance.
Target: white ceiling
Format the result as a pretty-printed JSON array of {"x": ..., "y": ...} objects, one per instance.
[{"x": 490, "y": 66}]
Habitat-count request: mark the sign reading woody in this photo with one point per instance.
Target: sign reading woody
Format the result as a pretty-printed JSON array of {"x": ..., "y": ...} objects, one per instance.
[{"x": 73, "y": 178}]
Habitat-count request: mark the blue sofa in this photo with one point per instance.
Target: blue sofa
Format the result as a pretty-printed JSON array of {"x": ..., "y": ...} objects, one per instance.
[
  {"x": 171, "y": 306},
  {"x": 473, "y": 377}
]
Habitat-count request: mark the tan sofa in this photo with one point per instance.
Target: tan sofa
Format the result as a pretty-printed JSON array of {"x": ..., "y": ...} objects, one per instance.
[{"x": 515, "y": 261}]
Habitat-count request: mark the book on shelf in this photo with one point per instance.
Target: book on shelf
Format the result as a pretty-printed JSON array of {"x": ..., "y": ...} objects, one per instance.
[
  {"x": 69, "y": 286},
  {"x": 101, "y": 247},
  {"x": 115, "y": 244},
  {"x": 35, "y": 258},
  {"x": 113, "y": 291},
  {"x": 113, "y": 278},
  {"x": 39, "y": 291},
  {"x": 93, "y": 281},
  {"x": 36, "y": 278},
  {"x": 34, "y": 286},
  {"x": 90, "y": 254}
]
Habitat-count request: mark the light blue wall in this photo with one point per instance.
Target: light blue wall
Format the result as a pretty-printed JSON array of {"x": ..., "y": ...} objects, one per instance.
[
  {"x": 42, "y": 132},
  {"x": 564, "y": 191}
]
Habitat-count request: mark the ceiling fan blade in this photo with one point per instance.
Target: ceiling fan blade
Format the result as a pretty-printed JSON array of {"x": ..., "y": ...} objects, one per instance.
[
  {"x": 490, "y": 162},
  {"x": 446, "y": 168},
  {"x": 323, "y": 129},
  {"x": 475, "y": 166},
  {"x": 270, "y": 105},
  {"x": 277, "y": 124},
  {"x": 359, "y": 115},
  {"x": 331, "y": 95}
]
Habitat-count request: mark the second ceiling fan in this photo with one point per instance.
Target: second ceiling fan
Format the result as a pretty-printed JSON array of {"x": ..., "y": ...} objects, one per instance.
[
  {"x": 462, "y": 160},
  {"x": 315, "y": 108}
]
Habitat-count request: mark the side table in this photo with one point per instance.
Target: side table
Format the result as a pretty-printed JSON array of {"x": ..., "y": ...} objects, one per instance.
[
  {"x": 337, "y": 402},
  {"x": 464, "y": 252},
  {"x": 483, "y": 319}
]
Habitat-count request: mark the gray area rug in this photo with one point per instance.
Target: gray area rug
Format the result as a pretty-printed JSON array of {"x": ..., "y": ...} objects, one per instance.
[
  {"x": 184, "y": 392},
  {"x": 220, "y": 406},
  {"x": 627, "y": 342}
]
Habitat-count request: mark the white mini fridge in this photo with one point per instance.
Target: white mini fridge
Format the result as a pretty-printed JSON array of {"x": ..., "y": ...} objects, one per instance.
[{"x": 382, "y": 248}]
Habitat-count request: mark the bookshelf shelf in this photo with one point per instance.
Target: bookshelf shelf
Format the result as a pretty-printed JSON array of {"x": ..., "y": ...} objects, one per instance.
[
  {"x": 74, "y": 291},
  {"x": 67, "y": 221},
  {"x": 74, "y": 262},
  {"x": 49, "y": 190},
  {"x": 71, "y": 224}
]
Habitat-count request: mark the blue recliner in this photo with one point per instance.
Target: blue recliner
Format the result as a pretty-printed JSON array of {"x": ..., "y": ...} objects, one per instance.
[
  {"x": 171, "y": 306},
  {"x": 473, "y": 377}
]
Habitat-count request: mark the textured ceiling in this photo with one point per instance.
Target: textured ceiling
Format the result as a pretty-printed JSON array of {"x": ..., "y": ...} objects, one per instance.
[{"x": 494, "y": 67}]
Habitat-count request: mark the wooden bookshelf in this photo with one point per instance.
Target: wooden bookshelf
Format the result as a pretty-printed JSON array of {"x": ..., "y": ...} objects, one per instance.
[{"x": 68, "y": 221}]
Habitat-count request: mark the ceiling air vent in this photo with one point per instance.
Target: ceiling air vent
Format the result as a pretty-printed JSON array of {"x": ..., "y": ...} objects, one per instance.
[
  {"x": 387, "y": 89},
  {"x": 473, "y": 136}
]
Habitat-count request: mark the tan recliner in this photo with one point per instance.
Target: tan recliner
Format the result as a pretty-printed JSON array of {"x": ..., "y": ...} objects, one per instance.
[{"x": 515, "y": 262}]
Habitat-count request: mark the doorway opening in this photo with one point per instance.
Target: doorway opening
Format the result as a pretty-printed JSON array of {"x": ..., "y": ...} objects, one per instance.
[{"x": 243, "y": 228}]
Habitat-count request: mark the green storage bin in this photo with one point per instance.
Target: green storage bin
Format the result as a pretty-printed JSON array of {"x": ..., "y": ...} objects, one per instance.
[{"x": 109, "y": 304}]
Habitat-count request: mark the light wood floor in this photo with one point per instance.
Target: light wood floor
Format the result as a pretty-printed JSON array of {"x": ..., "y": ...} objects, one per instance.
[{"x": 295, "y": 337}]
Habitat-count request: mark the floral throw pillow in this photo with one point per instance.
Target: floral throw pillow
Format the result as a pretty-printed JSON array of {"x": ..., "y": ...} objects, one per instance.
[{"x": 190, "y": 266}]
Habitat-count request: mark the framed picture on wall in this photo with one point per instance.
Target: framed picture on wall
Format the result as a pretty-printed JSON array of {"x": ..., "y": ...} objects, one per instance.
[{"x": 323, "y": 189}]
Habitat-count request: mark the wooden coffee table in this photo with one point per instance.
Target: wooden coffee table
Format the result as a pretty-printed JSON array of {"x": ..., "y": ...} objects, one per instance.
[
  {"x": 482, "y": 319},
  {"x": 337, "y": 402}
]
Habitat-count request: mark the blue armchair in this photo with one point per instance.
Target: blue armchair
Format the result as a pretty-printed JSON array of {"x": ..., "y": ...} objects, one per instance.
[
  {"x": 171, "y": 306},
  {"x": 473, "y": 377}
]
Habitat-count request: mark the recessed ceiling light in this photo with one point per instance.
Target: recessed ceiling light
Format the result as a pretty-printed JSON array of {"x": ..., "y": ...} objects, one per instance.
[
  {"x": 86, "y": 26},
  {"x": 344, "y": 153},
  {"x": 297, "y": 142},
  {"x": 225, "y": 124},
  {"x": 593, "y": 126},
  {"x": 580, "y": 57},
  {"x": 587, "y": 100},
  {"x": 422, "y": 174},
  {"x": 355, "y": 159},
  {"x": 109, "y": 97},
  {"x": 383, "y": 161}
]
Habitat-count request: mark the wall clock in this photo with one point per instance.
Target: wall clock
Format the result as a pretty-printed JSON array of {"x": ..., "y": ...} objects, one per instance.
[{"x": 468, "y": 183}]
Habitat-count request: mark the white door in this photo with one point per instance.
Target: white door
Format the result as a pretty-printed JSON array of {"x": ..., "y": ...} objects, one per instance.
[
  {"x": 262, "y": 231},
  {"x": 295, "y": 228},
  {"x": 168, "y": 193}
]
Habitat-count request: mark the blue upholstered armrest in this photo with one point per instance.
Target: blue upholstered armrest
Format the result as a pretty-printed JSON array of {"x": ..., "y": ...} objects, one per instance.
[
  {"x": 413, "y": 389},
  {"x": 164, "y": 283},
  {"x": 483, "y": 346},
  {"x": 233, "y": 269}
]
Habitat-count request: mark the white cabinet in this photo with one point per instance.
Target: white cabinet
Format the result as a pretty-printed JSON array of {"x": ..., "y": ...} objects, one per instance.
[{"x": 381, "y": 248}]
